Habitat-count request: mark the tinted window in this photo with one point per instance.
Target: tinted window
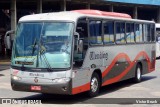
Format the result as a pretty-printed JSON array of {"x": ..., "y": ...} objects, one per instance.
[
  {"x": 152, "y": 32},
  {"x": 138, "y": 33},
  {"x": 120, "y": 32},
  {"x": 108, "y": 32},
  {"x": 95, "y": 28},
  {"x": 147, "y": 35},
  {"x": 129, "y": 32}
]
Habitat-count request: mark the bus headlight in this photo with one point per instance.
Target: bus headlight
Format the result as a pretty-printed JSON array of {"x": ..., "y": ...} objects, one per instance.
[
  {"x": 61, "y": 80},
  {"x": 16, "y": 77}
]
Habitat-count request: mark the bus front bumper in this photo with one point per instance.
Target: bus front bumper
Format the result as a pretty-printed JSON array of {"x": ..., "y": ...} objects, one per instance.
[{"x": 58, "y": 88}]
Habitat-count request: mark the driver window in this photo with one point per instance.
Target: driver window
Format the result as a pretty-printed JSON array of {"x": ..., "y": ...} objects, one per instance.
[
  {"x": 79, "y": 55},
  {"x": 56, "y": 37}
]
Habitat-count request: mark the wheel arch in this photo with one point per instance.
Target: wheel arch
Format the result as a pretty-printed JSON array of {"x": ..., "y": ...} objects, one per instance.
[
  {"x": 141, "y": 65},
  {"x": 98, "y": 71},
  {"x": 138, "y": 75}
]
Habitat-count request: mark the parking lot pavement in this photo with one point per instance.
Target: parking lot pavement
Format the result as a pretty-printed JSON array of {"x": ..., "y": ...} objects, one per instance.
[
  {"x": 4, "y": 63},
  {"x": 4, "y": 66}
]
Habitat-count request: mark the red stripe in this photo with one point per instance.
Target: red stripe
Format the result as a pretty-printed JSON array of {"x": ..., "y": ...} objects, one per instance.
[
  {"x": 80, "y": 89},
  {"x": 119, "y": 56}
]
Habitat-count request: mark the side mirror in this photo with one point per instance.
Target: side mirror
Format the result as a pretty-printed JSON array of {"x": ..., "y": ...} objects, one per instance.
[
  {"x": 80, "y": 46},
  {"x": 7, "y": 39},
  {"x": 76, "y": 37}
]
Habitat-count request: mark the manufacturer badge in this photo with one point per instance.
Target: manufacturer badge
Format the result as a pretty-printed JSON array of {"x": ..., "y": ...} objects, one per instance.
[{"x": 36, "y": 80}]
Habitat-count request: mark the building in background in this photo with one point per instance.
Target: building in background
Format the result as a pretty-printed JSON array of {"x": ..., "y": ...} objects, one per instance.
[{"x": 12, "y": 10}]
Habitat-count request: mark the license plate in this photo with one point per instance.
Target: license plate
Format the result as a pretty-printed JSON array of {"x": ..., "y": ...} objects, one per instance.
[{"x": 36, "y": 88}]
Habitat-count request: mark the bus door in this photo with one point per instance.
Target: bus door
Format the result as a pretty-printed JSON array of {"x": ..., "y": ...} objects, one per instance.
[{"x": 80, "y": 52}]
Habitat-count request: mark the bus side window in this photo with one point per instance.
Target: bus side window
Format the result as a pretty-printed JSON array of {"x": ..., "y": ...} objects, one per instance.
[
  {"x": 108, "y": 32},
  {"x": 147, "y": 32},
  {"x": 129, "y": 32},
  {"x": 152, "y": 32},
  {"x": 120, "y": 32},
  {"x": 138, "y": 33},
  {"x": 95, "y": 30}
]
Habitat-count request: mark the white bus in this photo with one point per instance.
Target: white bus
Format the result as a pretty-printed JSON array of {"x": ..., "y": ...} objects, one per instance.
[
  {"x": 76, "y": 51},
  {"x": 157, "y": 40}
]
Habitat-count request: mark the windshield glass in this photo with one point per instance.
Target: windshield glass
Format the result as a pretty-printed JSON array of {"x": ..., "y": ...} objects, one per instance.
[{"x": 43, "y": 45}]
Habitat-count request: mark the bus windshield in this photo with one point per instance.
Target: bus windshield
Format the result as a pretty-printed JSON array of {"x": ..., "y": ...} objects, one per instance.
[{"x": 43, "y": 45}]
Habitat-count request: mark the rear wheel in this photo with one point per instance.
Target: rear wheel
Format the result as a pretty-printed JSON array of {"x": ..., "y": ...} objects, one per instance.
[
  {"x": 138, "y": 74},
  {"x": 94, "y": 85}
]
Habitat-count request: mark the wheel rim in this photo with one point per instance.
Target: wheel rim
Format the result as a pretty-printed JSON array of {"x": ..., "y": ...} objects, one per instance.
[
  {"x": 94, "y": 84},
  {"x": 138, "y": 73}
]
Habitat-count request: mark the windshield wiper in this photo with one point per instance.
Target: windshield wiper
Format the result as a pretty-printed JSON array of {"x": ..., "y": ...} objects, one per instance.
[
  {"x": 42, "y": 53},
  {"x": 33, "y": 50}
]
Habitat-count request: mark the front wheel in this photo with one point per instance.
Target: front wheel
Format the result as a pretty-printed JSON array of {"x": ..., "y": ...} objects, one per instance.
[
  {"x": 94, "y": 85},
  {"x": 138, "y": 74}
]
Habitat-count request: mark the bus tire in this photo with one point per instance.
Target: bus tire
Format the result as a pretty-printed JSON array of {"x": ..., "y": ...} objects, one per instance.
[
  {"x": 94, "y": 85},
  {"x": 138, "y": 73}
]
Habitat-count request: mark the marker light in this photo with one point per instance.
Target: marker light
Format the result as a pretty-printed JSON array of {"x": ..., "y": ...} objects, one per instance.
[
  {"x": 16, "y": 77},
  {"x": 61, "y": 80}
]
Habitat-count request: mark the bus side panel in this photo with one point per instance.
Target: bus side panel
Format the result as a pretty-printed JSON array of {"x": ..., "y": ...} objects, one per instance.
[
  {"x": 119, "y": 63},
  {"x": 145, "y": 55},
  {"x": 80, "y": 80},
  {"x": 146, "y": 67},
  {"x": 150, "y": 49},
  {"x": 81, "y": 77}
]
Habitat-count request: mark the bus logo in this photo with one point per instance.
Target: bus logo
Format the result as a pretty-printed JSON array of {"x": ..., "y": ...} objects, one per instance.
[
  {"x": 100, "y": 55},
  {"x": 36, "y": 80}
]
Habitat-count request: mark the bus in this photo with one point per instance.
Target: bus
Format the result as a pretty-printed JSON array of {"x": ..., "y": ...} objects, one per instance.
[
  {"x": 80, "y": 51},
  {"x": 157, "y": 40}
]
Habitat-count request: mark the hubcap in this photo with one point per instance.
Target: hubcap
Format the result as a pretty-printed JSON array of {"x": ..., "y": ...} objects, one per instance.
[
  {"x": 94, "y": 84},
  {"x": 138, "y": 73}
]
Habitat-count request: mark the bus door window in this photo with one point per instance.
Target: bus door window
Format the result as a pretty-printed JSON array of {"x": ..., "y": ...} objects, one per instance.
[
  {"x": 79, "y": 55},
  {"x": 95, "y": 31},
  {"x": 138, "y": 33},
  {"x": 108, "y": 32},
  {"x": 130, "y": 32},
  {"x": 120, "y": 32}
]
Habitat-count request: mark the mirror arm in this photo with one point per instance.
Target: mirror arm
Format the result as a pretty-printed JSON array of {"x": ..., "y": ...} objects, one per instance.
[{"x": 77, "y": 34}]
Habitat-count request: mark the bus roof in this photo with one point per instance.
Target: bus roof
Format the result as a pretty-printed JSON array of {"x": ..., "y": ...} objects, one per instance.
[
  {"x": 103, "y": 13},
  {"x": 76, "y": 14}
]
